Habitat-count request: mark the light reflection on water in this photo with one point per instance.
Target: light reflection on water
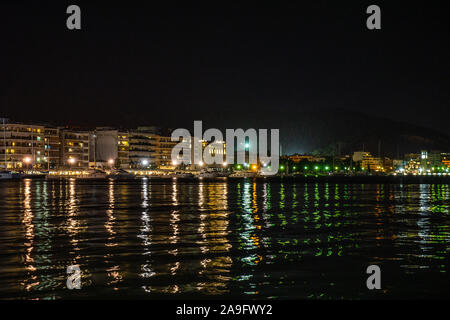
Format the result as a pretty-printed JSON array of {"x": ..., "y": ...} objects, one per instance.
[{"x": 235, "y": 239}]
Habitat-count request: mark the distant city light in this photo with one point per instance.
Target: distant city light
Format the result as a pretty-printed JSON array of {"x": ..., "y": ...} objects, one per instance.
[
  {"x": 111, "y": 161},
  {"x": 144, "y": 162},
  {"x": 71, "y": 160},
  {"x": 27, "y": 159}
]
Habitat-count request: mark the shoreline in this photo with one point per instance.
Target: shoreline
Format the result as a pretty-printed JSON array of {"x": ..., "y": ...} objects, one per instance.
[{"x": 357, "y": 179}]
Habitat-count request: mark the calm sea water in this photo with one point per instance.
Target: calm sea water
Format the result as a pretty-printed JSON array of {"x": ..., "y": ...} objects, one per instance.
[{"x": 223, "y": 239}]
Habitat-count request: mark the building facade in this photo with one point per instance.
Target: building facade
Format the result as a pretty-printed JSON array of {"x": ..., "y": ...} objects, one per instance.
[
  {"x": 74, "y": 148},
  {"x": 22, "y": 146},
  {"x": 123, "y": 152},
  {"x": 52, "y": 147},
  {"x": 142, "y": 145}
]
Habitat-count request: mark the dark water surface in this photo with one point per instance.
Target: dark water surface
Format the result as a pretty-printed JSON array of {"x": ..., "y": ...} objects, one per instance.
[{"x": 223, "y": 239}]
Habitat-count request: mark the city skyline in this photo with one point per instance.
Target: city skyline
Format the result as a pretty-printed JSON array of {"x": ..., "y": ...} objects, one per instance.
[
  {"x": 171, "y": 66},
  {"x": 224, "y": 158}
]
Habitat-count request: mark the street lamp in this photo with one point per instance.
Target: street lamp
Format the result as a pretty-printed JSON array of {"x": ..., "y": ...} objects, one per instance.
[
  {"x": 27, "y": 160},
  {"x": 111, "y": 162},
  {"x": 72, "y": 161}
]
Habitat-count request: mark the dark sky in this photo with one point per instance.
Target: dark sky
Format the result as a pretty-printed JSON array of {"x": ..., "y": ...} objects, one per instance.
[{"x": 133, "y": 64}]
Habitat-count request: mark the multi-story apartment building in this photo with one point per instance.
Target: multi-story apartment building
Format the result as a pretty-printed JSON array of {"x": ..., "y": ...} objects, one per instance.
[
  {"x": 74, "y": 148},
  {"x": 142, "y": 147},
  {"x": 52, "y": 147},
  {"x": 22, "y": 145},
  {"x": 371, "y": 163},
  {"x": 163, "y": 150},
  {"x": 216, "y": 149},
  {"x": 430, "y": 160},
  {"x": 103, "y": 149},
  {"x": 445, "y": 158},
  {"x": 123, "y": 146},
  {"x": 109, "y": 147}
]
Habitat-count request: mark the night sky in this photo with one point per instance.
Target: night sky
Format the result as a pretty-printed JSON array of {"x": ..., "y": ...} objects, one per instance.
[{"x": 229, "y": 65}]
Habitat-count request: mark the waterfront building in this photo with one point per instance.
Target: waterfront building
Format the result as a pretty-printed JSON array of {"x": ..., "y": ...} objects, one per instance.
[
  {"x": 371, "y": 163},
  {"x": 74, "y": 148},
  {"x": 123, "y": 152},
  {"x": 398, "y": 165},
  {"x": 162, "y": 148},
  {"x": 359, "y": 155},
  {"x": 445, "y": 158},
  {"x": 430, "y": 160},
  {"x": 22, "y": 146},
  {"x": 142, "y": 147},
  {"x": 215, "y": 148},
  {"x": 103, "y": 150},
  {"x": 52, "y": 147}
]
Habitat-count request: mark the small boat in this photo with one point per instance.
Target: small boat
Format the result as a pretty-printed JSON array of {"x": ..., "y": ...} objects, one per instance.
[
  {"x": 182, "y": 175},
  {"x": 6, "y": 175},
  {"x": 208, "y": 174},
  {"x": 243, "y": 174},
  {"x": 120, "y": 174}
]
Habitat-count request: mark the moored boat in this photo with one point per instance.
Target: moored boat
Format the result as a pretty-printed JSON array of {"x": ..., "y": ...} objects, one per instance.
[
  {"x": 120, "y": 174},
  {"x": 182, "y": 175},
  {"x": 90, "y": 174},
  {"x": 6, "y": 175}
]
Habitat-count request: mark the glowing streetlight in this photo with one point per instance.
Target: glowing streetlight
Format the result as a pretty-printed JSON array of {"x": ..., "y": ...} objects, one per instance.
[
  {"x": 71, "y": 161},
  {"x": 27, "y": 161},
  {"x": 174, "y": 163},
  {"x": 201, "y": 163},
  {"x": 144, "y": 162},
  {"x": 111, "y": 162},
  {"x": 224, "y": 164}
]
